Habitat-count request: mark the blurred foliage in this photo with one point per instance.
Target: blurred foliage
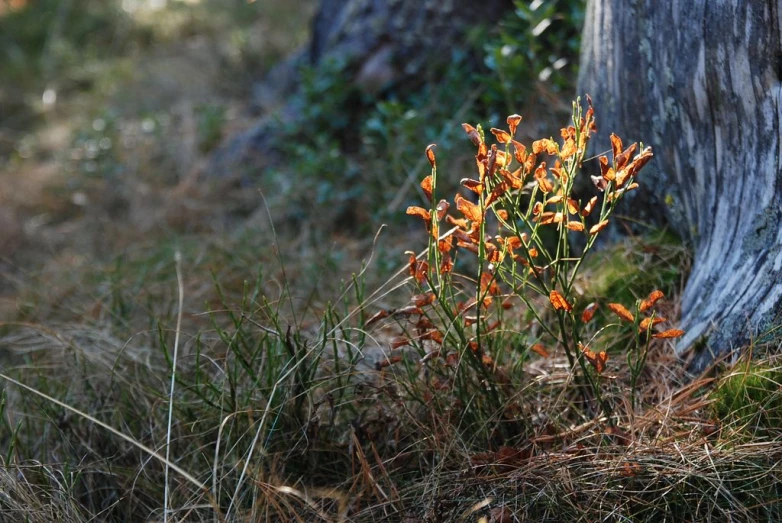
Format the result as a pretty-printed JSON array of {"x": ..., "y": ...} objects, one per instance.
[
  {"x": 55, "y": 41},
  {"x": 360, "y": 155},
  {"x": 652, "y": 261},
  {"x": 349, "y": 158},
  {"x": 314, "y": 151},
  {"x": 211, "y": 120},
  {"x": 541, "y": 43},
  {"x": 72, "y": 45}
]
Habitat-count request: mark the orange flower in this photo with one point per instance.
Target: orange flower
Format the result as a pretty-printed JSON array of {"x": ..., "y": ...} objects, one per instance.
[
  {"x": 513, "y": 122},
  {"x": 559, "y": 302},
  {"x": 589, "y": 312},
  {"x": 621, "y": 311}
]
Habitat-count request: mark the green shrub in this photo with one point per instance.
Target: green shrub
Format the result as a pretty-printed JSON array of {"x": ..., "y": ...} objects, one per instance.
[
  {"x": 540, "y": 44},
  {"x": 520, "y": 230}
]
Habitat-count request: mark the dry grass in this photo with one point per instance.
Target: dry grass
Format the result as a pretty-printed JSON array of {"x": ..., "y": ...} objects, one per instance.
[
  {"x": 285, "y": 406},
  {"x": 346, "y": 444}
]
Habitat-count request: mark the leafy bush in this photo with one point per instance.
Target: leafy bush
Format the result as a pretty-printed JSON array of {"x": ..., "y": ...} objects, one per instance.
[
  {"x": 366, "y": 148},
  {"x": 541, "y": 43},
  {"x": 462, "y": 323}
]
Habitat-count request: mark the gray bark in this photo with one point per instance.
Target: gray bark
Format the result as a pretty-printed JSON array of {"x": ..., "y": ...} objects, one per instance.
[{"x": 700, "y": 82}]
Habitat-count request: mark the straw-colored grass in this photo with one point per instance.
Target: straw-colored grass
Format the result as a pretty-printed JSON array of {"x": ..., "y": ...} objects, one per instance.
[{"x": 274, "y": 373}]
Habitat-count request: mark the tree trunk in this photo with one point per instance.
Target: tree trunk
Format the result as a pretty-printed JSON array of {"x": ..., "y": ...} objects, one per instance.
[
  {"x": 700, "y": 82},
  {"x": 387, "y": 41},
  {"x": 378, "y": 45}
]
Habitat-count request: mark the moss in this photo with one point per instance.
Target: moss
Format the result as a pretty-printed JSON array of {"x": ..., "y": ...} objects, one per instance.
[
  {"x": 632, "y": 268},
  {"x": 671, "y": 110},
  {"x": 749, "y": 401},
  {"x": 764, "y": 232},
  {"x": 769, "y": 328}
]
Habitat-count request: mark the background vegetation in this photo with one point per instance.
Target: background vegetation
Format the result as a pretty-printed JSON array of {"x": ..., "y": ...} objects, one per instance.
[{"x": 124, "y": 261}]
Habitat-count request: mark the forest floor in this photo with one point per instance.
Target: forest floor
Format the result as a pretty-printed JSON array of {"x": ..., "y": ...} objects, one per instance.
[
  {"x": 119, "y": 248},
  {"x": 113, "y": 162}
]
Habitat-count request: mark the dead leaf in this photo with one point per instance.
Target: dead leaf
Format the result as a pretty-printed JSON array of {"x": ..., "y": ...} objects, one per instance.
[
  {"x": 519, "y": 151},
  {"x": 446, "y": 264},
  {"x": 434, "y": 335},
  {"x": 399, "y": 342},
  {"x": 473, "y": 185},
  {"x": 568, "y": 149},
  {"x": 446, "y": 244},
  {"x": 408, "y": 311},
  {"x": 489, "y": 284},
  {"x": 541, "y": 175},
  {"x": 442, "y": 208},
  {"x": 630, "y": 469},
  {"x": 547, "y": 145},
  {"x": 422, "y": 300},
  {"x": 616, "y": 145},
  {"x": 380, "y": 365},
  {"x": 555, "y": 199},
  {"x": 587, "y": 210},
  {"x": 600, "y": 183},
  {"x": 513, "y": 179},
  {"x": 551, "y": 217},
  {"x": 498, "y": 192},
  {"x": 622, "y": 160},
  {"x": 418, "y": 269},
  {"x": 597, "y": 360},
  {"x": 529, "y": 163},
  {"x": 648, "y": 322},
  {"x": 639, "y": 161},
  {"x": 604, "y": 167}
]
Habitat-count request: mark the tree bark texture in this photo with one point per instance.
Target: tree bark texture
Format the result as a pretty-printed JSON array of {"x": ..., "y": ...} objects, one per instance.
[{"x": 700, "y": 82}]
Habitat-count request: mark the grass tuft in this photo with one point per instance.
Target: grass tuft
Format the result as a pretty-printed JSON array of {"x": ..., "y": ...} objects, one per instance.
[{"x": 748, "y": 400}]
